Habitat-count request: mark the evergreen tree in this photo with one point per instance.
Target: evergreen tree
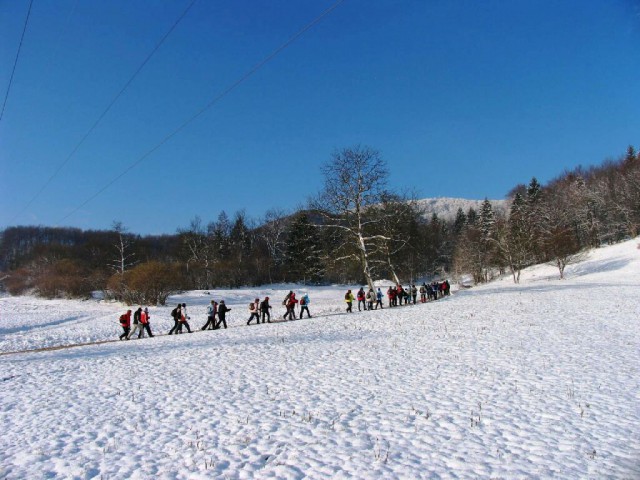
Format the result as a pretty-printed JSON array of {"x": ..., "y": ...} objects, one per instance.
[
  {"x": 534, "y": 191},
  {"x": 472, "y": 216},
  {"x": 304, "y": 251},
  {"x": 535, "y": 217},
  {"x": 459, "y": 222},
  {"x": 487, "y": 219},
  {"x": 631, "y": 154},
  {"x": 518, "y": 237}
]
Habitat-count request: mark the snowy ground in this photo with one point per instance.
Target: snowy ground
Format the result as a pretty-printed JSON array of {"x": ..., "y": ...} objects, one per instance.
[{"x": 539, "y": 380}]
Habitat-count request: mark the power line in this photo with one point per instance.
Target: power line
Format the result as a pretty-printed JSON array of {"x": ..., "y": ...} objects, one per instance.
[
  {"x": 24, "y": 29},
  {"x": 215, "y": 100},
  {"x": 106, "y": 110}
]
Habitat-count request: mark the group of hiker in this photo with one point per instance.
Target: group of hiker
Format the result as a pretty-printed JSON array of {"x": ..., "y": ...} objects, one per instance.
[
  {"x": 216, "y": 309},
  {"x": 260, "y": 310},
  {"x": 397, "y": 295},
  {"x": 140, "y": 323}
]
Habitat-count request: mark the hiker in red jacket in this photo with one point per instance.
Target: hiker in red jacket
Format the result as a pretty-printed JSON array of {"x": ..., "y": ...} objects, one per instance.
[
  {"x": 391, "y": 294},
  {"x": 125, "y": 323},
  {"x": 144, "y": 321},
  {"x": 361, "y": 299},
  {"x": 290, "y": 302}
]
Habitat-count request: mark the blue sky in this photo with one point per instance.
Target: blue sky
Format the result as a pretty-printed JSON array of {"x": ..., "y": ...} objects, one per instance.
[{"x": 462, "y": 98}]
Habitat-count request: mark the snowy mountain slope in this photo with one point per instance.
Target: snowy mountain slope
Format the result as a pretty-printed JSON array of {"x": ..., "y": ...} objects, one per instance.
[
  {"x": 446, "y": 208},
  {"x": 537, "y": 380}
]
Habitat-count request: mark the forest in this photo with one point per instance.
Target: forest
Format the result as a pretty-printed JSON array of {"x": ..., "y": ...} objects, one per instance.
[{"x": 353, "y": 231}]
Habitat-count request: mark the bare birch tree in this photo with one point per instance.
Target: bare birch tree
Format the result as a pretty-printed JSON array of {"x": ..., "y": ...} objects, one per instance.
[
  {"x": 123, "y": 246},
  {"x": 354, "y": 182}
]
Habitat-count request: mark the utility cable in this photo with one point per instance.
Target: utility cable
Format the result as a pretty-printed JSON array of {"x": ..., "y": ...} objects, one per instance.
[
  {"x": 215, "y": 100},
  {"x": 106, "y": 110},
  {"x": 13, "y": 71}
]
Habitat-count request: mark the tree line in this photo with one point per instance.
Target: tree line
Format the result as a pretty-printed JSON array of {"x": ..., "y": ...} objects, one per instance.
[{"x": 354, "y": 230}]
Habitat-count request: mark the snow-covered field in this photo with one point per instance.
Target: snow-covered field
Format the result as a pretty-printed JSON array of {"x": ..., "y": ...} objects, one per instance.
[{"x": 503, "y": 381}]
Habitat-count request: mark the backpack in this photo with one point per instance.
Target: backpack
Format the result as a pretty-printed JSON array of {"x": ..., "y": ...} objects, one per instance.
[
  {"x": 303, "y": 301},
  {"x": 123, "y": 319},
  {"x": 174, "y": 313}
]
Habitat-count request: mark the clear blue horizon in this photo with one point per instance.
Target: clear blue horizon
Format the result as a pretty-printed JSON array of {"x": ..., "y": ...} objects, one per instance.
[{"x": 463, "y": 99}]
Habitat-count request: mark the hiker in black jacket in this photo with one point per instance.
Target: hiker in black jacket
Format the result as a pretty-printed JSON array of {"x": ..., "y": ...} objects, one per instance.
[
  {"x": 177, "y": 315},
  {"x": 264, "y": 310},
  {"x": 222, "y": 312}
]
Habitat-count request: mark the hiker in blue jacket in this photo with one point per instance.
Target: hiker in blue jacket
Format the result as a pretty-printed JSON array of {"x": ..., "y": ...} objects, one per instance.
[
  {"x": 379, "y": 298},
  {"x": 304, "y": 305}
]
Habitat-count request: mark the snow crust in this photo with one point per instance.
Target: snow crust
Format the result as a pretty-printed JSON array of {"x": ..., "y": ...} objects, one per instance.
[{"x": 537, "y": 380}]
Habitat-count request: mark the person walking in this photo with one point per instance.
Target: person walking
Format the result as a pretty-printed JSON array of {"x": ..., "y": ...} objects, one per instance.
[
  {"x": 379, "y": 298},
  {"x": 370, "y": 298},
  {"x": 391, "y": 294},
  {"x": 175, "y": 314},
  {"x": 349, "y": 298},
  {"x": 414, "y": 293},
  {"x": 291, "y": 306},
  {"x": 304, "y": 305},
  {"x": 264, "y": 310},
  {"x": 406, "y": 295},
  {"x": 222, "y": 312},
  {"x": 361, "y": 296},
  {"x": 399, "y": 296},
  {"x": 211, "y": 316},
  {"x": 144, "y": 321},
  {"x": 423, "y": 293},
  {"x": 125, "y": 323},
  {"x": 137, "y": 327},
  {"x": 254, "y": 310},
  {"x": 183, "y": 319}
]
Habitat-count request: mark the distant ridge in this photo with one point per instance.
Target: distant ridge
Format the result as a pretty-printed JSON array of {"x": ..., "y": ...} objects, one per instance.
[{"x": 446, "y": 208}]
